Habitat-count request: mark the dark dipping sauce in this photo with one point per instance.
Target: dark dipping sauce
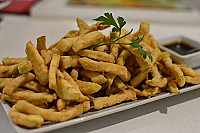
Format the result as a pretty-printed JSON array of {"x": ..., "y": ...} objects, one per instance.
[{"x": 181, "y": 47}]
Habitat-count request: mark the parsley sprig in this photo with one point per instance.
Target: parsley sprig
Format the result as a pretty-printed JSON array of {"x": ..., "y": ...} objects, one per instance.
[{"x": 109, "y": 20}]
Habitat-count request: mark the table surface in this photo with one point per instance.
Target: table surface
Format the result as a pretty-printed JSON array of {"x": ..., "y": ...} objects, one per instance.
[{"x": 177, "y": 114}]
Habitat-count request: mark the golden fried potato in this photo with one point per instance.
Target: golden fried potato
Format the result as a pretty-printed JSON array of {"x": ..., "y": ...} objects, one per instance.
[
  {"x": 52, "y": 71},
  {"x": 101, "y": 56},
  {"x": 31, "y": 109},
  {"x": 30, "y": 121},
  {"x": 115, "y": 69},
  {"x": 12, "y": 61},
  {"x": 95, "y": 77},
  {"x": 87, "y": 40},
  {"x": 88, "y": 88},
  {"x": 41, "y": 43},
  {"x": 15, "y": 83},
  {"x": 102, "y": 102},
  {"x": 39, "y": 67}
]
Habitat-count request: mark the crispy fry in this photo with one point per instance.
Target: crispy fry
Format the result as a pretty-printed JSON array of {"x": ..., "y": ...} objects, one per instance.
[
  {"x": 71, "y": 34},
  {"x": 102, "y": 102},
  {"x": 65, "y": 44},
  {"x": 41, "y": 43},
  {"x": 95, "y": 77},
  {"x": 119, "y": 84},
  {"x": 102, "y": 48},
  {"x": 88, "y": 88},
  {"x": 187, "y": 71},
  {"x": 87, "y": 40},
  {"x": 83, "y": 26},
  {"x": 74, "y": 73},
  {"x": 9, "y": 71},
  {"x": 32, "y": 97},
  {"x": 12, "y": 61},
  {"x": 150, "y": 92},
  {"x": 176, "y": 72},
  {"x": 86, "y": 106},
  {"x": 139, "y": 78},
  {"x": 30, "y": 121},
  {"x": 35, "y": 86},
  {"x": 4, "y": 82},
  {"x": 52, "y": 71},
  {"x": 67, "y": 88},
  {"x": 138, "y": 92},
  {"x": 61, "y": 104},
  {"x": 110, "y": 79},
  {"x": 69, "y": 61},
  {"x": 115, "y": 69},
  {"x": 25, "y": 67},
  {"x": 193, "y": 80},
  {"x": 173, "y": 87},
  {"x": 46, "y": 55},
  {"x": 37, "y": 61},
  {"x": 112, "y": 90},
  {"x": 29, "y": 108},
  {"x": 15, "y": 83},
  {"x": 101, "y": 56},
  {"x": 123, "y": 56},
  {"x": 114, "y": 50}
]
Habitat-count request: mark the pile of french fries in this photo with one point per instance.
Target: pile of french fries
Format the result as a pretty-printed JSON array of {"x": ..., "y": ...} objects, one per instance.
[{"x": 66, "y": 80}]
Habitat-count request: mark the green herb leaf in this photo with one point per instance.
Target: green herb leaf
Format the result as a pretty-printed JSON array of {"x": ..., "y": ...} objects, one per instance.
[{"x": 109, "y": 20}]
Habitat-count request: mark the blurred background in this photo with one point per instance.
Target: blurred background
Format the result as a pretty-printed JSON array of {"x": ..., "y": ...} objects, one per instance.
[{"x": 175, "y": 11}]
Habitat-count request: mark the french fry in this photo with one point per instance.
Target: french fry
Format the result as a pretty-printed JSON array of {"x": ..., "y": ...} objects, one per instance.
[
  {"x": 139, "y": 78},
  {"x": 35, "y": 86},
  {"x": 119, "y": 84},
  {"x": 110, "y": 78},
  {"x": 69, "y": 61},
  {"x": 114, "y": 50},
  {"x": 9, "y": 71},
  {"x": 115, "y": 69},
  {"x": 32, "y": 97},
  {"x": 193, "y": 80},
  {"x": 102, "y": 102},
  {"x": 88, "y": 40},
  {"x": 101, "y": 56},
  {"x": 46, "y": 55},
  {"x": 88, "y": 88},
  {"x": 4, "y": 82},
  {"x": 37, "y": 61},
  {"x": 61, "y": 104},
  {"x": 15, "y": 83},
  {"x": 176, "y": 72},
  {"x": 83, "y": 26},
  {"x": 94, "y": 76},
  {"x": 173, "y": 87},
  {"x": 41, "y": 43},
  {"x": 71, "y": 34},
  {"x": 122, "y": 57},
  {"x": 30, "y": 121},
  {"x": 67, "y": 89},
  {"x": 112, "y": 90},
  {"x": 29, "y": 108},
  {"x": 102, "y": 48},
  {"x": 138, "y": 92},
  {"x": 187, "y": 71},
  {"x": 52, "y": 71},
  {"x": 74, "y": 73},
  {"x": 12, "y": 61},
  {"x": 150, "y": 92},
  {"x": 25, "y": 67},
  {"x": 65, "y": 44}
]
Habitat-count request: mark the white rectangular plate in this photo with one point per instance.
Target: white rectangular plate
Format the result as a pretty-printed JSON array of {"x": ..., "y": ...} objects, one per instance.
[{"x": 96, "y": 114}]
